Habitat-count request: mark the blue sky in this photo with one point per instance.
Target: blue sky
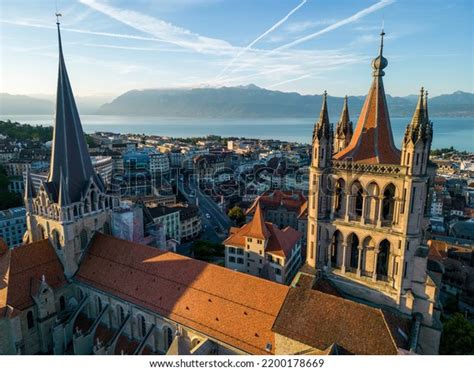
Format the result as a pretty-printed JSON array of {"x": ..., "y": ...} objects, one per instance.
[{"x": 112, "y": 46}]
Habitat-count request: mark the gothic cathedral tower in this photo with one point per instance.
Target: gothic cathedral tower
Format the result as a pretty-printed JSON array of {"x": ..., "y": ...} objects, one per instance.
[
  {"x": 366, "y": 205},
  {"x": 72, "y": 204}
]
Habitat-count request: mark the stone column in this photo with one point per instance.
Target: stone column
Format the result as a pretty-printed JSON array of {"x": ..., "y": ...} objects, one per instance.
[
  {"x": 364, "y": 208},
  {"x": 378, "y": 214},
  {"x": 344, "y": 252},
  {"x": 359, "y": 261},
  {"x": 328, "y": 249},
  {"x": 374, "y": 273},
  {"x": 348, "y": 204}
]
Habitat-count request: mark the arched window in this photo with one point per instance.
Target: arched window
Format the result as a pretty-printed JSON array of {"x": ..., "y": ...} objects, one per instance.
[
  {"x": 142, "y": 325},
  {"x": 93, "y": 201},
  {"x": 168, "y": 337},
  {"x": 382, "y": 260},
  {"x": 339, "y": 196},
  {"x": 388, "y": 203},
  {"x": 86, "y": 205},
  {"x": 99, "y": 304},
  {"x": 42, "y": 232},
  {"x": 80, "y": 294},
  {"x": 359, "y": 201},
  {"x": 56, "y": 239},
  {"x": 30, "y": 320},
  {"x": 107, "y": 228},
  {"x": 354, "y": 245},
  {"x": 195, "y": 342},
  {"x": 76, "y": 213},
  {"x": 62, "y": 303},
  {"x": 83, "y": 238},
  {"x": 335, "y": 244},
  {"x": 120, "y": 314}
]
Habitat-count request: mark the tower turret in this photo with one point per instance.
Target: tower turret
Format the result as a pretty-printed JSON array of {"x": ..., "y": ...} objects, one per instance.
[
  {"x": 344, "y": 129},
  {"x": 417, "y": 140},
  {"x": 322, "y": 138}
]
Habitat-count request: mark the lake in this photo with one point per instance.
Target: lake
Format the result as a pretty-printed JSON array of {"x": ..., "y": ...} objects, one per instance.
[{"x": 448, "y": 131}]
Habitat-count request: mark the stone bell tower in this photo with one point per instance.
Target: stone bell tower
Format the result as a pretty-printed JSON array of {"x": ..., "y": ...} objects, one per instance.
[{"x": 366, "y": 205}]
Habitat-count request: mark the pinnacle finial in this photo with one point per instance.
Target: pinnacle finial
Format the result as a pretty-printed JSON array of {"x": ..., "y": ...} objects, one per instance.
[{"x": 382, "y": 34}]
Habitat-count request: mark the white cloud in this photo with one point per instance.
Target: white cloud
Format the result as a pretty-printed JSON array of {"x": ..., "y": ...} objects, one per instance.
[{"x": 161, "y": 30}]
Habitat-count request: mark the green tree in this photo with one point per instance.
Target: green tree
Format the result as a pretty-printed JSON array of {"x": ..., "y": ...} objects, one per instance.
[
  {"x": 7, "y": 199},
  {"x": 206, "y": 250},
  {"x": 237, "y": 215},
  {"x": 457, "y": 336}
]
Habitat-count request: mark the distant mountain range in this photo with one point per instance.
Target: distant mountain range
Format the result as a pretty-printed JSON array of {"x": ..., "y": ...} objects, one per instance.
[{"x": 238, "y": 102}]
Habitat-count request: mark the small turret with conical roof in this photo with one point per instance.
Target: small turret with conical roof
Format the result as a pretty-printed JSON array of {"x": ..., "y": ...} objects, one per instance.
[
  {"x": 417, "y": 138},
  {"x": 344, "y": 129},
  {"x": 322, "y": 138}
]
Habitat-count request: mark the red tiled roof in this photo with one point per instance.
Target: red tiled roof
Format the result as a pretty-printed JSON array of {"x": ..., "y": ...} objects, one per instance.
[
  {"x": 372, "y": 142},
  {"x": 235, "y": 308},
  {"x": 292, "y": 201},
  {"x": 24, "y": 266},
  {"x": 257, "y": 227},
  {"x": 328, "y": 319},
  {"x": 280, "y": 241}
]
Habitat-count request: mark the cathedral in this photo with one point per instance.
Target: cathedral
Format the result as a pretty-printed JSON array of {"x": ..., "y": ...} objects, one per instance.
[
  {"x": 72, "y": 288},
  {"x": 367, "y": 206}
]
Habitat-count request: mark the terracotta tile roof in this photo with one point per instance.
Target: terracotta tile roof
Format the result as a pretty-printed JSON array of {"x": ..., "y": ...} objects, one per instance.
[
  {"x": 280, "y": 241},
  {"x": 328, "y": 320},
  {"x": 291, "y": 201},
  {"x": 372, "y": 142},
  {"x": 24, "y": 266},
  {"x": 235, "y": 308},
  {"x": 257, "y": 227}
]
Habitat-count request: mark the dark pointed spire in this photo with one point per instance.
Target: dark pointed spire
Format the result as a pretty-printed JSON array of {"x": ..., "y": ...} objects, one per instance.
[
  {"x": 63, "y": 198},
  {"x": 419, "y": 127},
  {"x": 419, "y": 114},
  {"x": 69, "y": 153},
  {"x": 30, "y": 192},
  {"x": 323, "y": 127},
  {"x": 425, "y": 103},
  {"x": 344, "y": 126}
]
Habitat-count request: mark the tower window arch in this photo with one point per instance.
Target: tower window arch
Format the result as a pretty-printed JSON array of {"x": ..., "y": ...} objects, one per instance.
[
  {"x": 358, "y": 198},
  {"x": 30, "y": 320},
  {"x": 120, "y": 314},
  {"x": 339, "y": 196},
  {"x": 56, "y": 239},
  {"x": 142, "y": 325},
  {"x": 388, "y": 203},
  {"x": 62, "y": 303},
  {"x": 168, "y": 337},
  {"x": 99, "y": 304},
  {"x": 354, "y": 248},
  {"x": 107, "y": 228},
  {"x": 83, "y": 239},
  {"x": 383, "y": 260}
]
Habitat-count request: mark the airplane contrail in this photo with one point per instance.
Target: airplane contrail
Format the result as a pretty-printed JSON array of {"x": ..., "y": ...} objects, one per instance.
[
  {"x": 356, "y": 16},
  {"x": 360, "y": 14},
  {"x": 271, "y": 29},
  {"x": 291, "y": 80}
]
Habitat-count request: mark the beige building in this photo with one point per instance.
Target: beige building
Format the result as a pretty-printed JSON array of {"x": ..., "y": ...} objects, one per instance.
[
  {"x": 262, "y": 249},
  {"x": 283, "y": 208},
  {"x": 367, "y": 202}
]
